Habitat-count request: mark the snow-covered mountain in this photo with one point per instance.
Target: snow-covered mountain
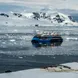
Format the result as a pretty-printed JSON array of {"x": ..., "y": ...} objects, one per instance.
[{"x": 42, "y": 18}]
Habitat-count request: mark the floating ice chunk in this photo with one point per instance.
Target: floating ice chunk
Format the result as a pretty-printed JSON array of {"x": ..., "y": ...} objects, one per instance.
[
  {"x": 20, "y": 57},
  {"x": 72, "y": 38},
  {"x": 12, "y": 40}
]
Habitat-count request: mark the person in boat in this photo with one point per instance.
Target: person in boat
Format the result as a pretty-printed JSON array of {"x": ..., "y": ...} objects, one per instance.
[{"x": 42, "y": 34}]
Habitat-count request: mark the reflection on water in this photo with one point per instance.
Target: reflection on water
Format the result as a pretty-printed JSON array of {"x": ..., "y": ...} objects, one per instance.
[{"x": 53, "y": 44}]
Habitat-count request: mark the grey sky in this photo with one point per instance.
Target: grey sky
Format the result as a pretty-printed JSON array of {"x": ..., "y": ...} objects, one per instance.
[{"x": 70, "y": 4}]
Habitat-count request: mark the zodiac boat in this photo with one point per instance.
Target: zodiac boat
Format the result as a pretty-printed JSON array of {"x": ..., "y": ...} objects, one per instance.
[{"x": 47, "y": 40}]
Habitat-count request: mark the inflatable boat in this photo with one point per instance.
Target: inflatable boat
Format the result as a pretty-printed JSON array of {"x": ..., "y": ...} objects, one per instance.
[{"x": 46, "y": 40}]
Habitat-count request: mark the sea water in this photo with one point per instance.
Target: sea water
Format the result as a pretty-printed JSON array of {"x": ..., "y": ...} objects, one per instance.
[{"x": 18, "y": 53}]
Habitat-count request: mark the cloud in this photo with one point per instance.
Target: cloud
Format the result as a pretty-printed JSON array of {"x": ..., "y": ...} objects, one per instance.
[
  {"x": 61, "y": 4},
  {"x": 68, "y": 4},
  {"x": 6, "y": 1}
]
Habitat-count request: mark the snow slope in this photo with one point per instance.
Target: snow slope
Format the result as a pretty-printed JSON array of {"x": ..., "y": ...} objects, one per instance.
[{"x": 40, "y": 73}]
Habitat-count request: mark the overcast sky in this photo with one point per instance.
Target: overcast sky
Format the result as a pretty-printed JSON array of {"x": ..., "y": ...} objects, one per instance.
[{"x": 70, "y": 4}]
